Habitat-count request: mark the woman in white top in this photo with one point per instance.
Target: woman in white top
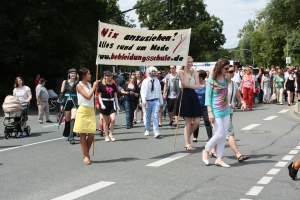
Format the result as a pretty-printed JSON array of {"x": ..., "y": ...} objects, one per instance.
[
  {"x": 85, "y": 122},
  {"x": 23, "y": 93}
]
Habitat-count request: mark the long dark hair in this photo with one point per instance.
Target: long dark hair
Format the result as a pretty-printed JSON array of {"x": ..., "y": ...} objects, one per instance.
[
  {"x": 219, "y": 66},
  {"x": 82, "y": 73}
]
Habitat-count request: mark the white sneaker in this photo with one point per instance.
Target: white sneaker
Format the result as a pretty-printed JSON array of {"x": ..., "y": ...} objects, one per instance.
[
  {"x": 147, "y": 133},
  {"x": 156, "y": 135}
]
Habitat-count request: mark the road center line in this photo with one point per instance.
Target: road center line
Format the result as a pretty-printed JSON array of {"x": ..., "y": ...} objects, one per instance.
[
  {"x": 270, "y": 118},
  {"x": 255, "y": 190},
  {"x": 284, "y": 111},
  {"x": 265, "y": 180},
  {"x": 281, "y": 164},
  {"x": 288, "y": 157},
  {"x": 273, "y": 171},
  {"x": 294, "y": 152},
  {"x": 26, "y": 145},
  {"x": 247, "y": 128},
  {"x": 53, "y": 125},
  {"x": 84, "y": 191},
  {"x": 167, "y": 160}
]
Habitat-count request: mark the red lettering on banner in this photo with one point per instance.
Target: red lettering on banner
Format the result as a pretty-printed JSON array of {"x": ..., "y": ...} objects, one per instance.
[{"x": 105, "y": 31}]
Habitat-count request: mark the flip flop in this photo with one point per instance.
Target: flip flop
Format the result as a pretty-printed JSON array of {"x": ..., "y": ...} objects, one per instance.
[
  {"x": 242, "y": 158},
  {"x": 190, "y": 148}
]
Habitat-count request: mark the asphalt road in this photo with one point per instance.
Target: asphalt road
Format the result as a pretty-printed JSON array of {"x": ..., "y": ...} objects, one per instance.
[{"x": 46, "y": 166}]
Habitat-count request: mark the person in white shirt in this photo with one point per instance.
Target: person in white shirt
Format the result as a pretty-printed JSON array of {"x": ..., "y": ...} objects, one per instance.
[
  {"x": 151, "y": 100},
  {"x": 236, "y": 78}
]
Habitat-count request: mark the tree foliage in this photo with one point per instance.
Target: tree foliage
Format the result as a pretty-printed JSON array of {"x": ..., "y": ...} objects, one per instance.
[
  {"x": 206, "y": 29},
  {"x": 273, "y": 35},
  {"x": 51, "y": 36}
]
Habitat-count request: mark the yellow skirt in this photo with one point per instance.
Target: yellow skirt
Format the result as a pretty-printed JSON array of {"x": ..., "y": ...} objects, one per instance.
[{"x": 85, "y": 121}]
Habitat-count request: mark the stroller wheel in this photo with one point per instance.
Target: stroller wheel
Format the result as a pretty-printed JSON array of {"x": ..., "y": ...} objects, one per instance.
[
  {"x": 27, "y": 130},
  {"x": 16, "y": 133},
  {"x": 6, "y": 135}
]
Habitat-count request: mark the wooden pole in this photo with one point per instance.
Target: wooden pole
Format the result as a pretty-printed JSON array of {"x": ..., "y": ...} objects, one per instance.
[
  {"x": 97, "y": 67},
  {"x": 178, "y": 119}
]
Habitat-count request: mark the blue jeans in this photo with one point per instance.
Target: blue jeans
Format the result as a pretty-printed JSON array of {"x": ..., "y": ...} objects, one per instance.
[
  {"x": 129, "y": 107},
  {"x": 152, "y": 108}
]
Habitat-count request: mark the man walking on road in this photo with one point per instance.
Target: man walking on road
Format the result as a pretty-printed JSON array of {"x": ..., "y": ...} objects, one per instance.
[
  {"x": 151, "y": 100},
  {"x": 42, "y": 98},
  {"x": 171, "y": 92}
]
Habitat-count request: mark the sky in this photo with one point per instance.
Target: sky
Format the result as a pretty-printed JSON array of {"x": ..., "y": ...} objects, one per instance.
[{"x": 234, "y": 13}]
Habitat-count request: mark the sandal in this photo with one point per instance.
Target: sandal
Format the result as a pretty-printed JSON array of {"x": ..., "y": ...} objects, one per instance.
[
  {"x": 242, "y": 158},
  {"x": 195, "y": 140},
  {"x": 190, "y": 148},
  {"x": 134, "y": 121}
]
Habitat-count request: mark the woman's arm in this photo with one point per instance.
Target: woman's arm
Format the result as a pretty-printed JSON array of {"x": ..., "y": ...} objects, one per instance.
[
  {"x": 240, "y": 99},
  {"x": 83, "y": 92},
  {"x": 208, "y": 101},
  {"x": 262, "y": 83},
  {"x": 29, "y": 96}
]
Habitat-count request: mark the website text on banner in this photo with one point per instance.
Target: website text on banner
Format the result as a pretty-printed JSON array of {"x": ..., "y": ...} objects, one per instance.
[{"x": 119, "y": 45}]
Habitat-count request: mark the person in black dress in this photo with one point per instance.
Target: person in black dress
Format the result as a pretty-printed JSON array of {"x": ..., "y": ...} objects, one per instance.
[
  {"x": 289, "y": 86},
  {"x": 109, "y": 104}
]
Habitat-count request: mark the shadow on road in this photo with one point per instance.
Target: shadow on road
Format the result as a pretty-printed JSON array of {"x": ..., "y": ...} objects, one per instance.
[{"x": 116, "y": 160}]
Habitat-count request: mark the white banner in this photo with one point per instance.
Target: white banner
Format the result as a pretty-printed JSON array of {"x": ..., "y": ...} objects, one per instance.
[{"x": 119, "y": 45}]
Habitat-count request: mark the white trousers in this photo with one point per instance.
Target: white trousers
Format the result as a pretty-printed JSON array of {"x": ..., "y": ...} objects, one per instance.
[{"x": 220, "y": 126}]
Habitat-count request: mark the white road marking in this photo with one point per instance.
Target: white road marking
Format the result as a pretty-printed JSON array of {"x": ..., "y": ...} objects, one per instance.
[
  {"x": 288, "y": 157},
  {"x": 84, "y": 191},
  {"x": 167, "y": 160},
  {"x": 247, "y": 128},
  {"x": 270, "y": 118},
  {"x": 273, "y": 171},
  {"x": 255, "y": 190},
  {"x": 297, "y": 147},
  {"x": 284, "y": 111},
  {"x": 265, "y": 180},
  {"x": 294, "y": 152},
  {"x": 26, "y": 145},
  {"x": 281, "y": 164}
]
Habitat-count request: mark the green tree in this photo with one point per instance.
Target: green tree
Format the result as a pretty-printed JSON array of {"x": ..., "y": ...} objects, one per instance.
[{"x": 206, "y": 29}]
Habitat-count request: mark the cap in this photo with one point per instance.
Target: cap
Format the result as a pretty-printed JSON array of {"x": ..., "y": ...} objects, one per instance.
[
  {"x": 42, "y": 80},
  {"x": 107, "y": 73},
  {"x": 72, "y": 70}
]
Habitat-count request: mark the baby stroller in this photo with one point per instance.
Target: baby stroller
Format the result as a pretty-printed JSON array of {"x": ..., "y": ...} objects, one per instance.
[
  {"x": 52, "y": 100},
  {"x": 15, "y": 117}
]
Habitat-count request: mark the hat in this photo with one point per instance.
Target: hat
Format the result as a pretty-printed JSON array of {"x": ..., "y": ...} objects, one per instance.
[
  {"x": 42, "y": 80},
  {"x": 107, "y": 73},
  {"x": 72, "y": 70}
]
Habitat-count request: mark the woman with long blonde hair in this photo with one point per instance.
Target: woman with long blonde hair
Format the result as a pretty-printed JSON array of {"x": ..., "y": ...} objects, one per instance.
[{"x": 188, "y": 105}]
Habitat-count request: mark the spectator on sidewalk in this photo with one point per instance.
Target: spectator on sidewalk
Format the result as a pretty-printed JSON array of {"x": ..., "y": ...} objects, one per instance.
[{"x": 42, "y": 98}]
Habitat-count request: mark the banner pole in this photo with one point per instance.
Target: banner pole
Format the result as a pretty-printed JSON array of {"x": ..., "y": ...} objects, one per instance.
[{"x": 177, "y": 123}]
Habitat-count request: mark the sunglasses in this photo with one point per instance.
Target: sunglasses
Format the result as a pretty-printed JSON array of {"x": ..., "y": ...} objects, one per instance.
[
  {"x": 231, "y": 72},
  {"x": 172, "y": 68},
  {"x": 226, "y": 68}
]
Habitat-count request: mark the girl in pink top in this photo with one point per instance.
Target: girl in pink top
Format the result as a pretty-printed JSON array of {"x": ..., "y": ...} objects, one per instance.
[{"x": 248, "y": 87}]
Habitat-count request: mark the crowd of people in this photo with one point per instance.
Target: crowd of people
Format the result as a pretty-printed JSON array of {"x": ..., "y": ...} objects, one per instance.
[{"x": 185, "y": 94}]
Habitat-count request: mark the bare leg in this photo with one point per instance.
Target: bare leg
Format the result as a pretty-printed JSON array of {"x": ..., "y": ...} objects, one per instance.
[
  {"x": 106, "y": 119},
  {"x": 189, "y": 129},
  {"x": 297, "y": 164},
  {"x": 233, "y": 146},
  {"x": 90, "y": 140},
  {"x": 83, "y": 145},
  {"x": 112, "y": 123}
]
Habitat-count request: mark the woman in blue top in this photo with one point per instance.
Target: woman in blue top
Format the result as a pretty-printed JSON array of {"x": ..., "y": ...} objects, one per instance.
[
  {"x": 218, "y": 110},
  {"x": 201, "y": 96}
]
